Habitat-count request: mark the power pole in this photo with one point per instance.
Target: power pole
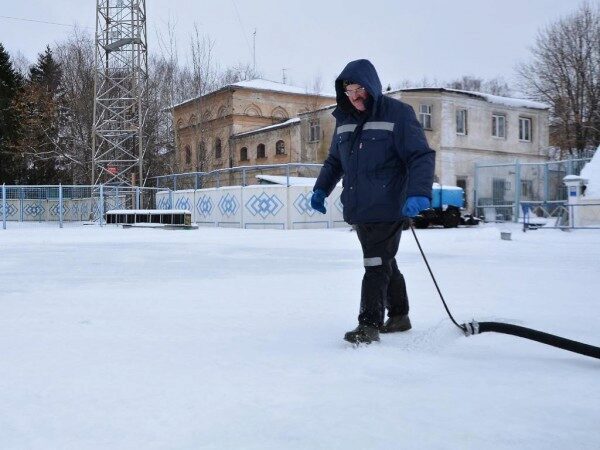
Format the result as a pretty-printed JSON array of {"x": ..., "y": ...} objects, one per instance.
[
  {"x": 254, "y": 51},
  {"x": 284, "y": 78},
  {"x": 120, "y": 84}
]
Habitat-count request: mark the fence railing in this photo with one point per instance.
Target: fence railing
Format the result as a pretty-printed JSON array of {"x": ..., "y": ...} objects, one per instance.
[
  {"x": 561, "y": 215},
  {"x": 235, "y": 176},
  {"x": 499, "y": 189},
  {"x": 66, "y": 205}
]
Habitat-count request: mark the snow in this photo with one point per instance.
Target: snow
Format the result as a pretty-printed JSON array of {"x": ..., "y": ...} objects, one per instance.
[
  {"x": 496, "y": 99},
  {"x": 309, "y": 181},
  {"x": 446, "y": 187},
  {"x": 506, "y": 101},
  {"x": 294, "y": 181},
  {"x": 116, "y": 338},
  {"x": 591, "y": 172},
  {"x": 265, "y": 85},
  {"x": 268, "y": 85},
  {"x": 291, "y": 121}
]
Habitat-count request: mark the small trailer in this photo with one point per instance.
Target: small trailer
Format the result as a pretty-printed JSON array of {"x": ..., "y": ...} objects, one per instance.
[{"x": 447, "y": 203}]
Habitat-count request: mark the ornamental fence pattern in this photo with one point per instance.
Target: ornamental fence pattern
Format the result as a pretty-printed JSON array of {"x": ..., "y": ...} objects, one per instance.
[
  {"x": 68, "y": 205},
  {"x": 256, "y": 206}
]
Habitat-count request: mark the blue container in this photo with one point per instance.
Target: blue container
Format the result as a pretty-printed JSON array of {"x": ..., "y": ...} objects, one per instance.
[{"x": 447, "y": 196}]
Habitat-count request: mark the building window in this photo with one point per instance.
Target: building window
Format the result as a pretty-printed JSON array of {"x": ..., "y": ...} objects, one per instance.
[
  {"x": 188, "y": 155},
  {"x": 527, "y": 189},
  {"x": 524, "y": 129},
  {"x": 201, "y": 151},
  {"x": 280, "y": 148},
  {"x": 200, "y": 155},
  {"x": 217, "y": 148},
  {"x": 461, "y": 182},
  {"x": 425, "y": 116},
  {"x": 244, "y": 154},
  {"x": 498, "y": 126},
  {"x": 260, "y": 151},
  {"x": 314, "y": 130},
  {"x": 461, "y": 121}
]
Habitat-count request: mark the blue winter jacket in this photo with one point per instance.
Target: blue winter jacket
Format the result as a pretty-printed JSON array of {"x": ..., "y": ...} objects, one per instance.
[{"x": 382, "y": 153}]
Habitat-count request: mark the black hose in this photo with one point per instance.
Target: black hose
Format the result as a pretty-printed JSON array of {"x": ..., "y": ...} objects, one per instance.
[
  {"x": 534, "y": 335},
  {"x": 515, "y": 330},
  {"x": 462, "y": 327}
]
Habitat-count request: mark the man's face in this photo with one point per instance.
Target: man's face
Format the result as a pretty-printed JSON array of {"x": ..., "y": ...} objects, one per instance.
[{"x": 357, "y": 95}]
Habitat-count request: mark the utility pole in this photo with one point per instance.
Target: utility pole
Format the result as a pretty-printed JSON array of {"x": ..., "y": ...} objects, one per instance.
[
  {"x": 120, "y": 83},
  {"x": 284, "y": 78},
  {"x": 254, "y": 50}
]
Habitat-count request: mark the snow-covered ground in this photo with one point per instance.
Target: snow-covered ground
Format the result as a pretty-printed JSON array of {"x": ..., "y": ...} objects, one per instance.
[{"x": 117, "y": 338}]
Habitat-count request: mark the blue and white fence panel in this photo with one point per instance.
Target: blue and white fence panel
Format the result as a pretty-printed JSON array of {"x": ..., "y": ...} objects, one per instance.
[{"x": 256, "y": 206}]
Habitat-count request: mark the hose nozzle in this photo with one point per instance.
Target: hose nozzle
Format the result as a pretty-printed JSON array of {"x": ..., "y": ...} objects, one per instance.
[{"x": 471, "y": 328}]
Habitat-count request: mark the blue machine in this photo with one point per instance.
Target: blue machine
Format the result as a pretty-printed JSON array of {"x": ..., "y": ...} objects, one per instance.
[{"x": 446, "y": 205}]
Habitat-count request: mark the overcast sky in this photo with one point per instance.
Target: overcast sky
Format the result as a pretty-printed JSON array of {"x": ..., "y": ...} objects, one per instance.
[{"x": 437, "y": 39}]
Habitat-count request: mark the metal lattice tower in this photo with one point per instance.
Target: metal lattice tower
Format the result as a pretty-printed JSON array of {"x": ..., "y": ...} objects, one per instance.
[{"x": 119, "y": 86}]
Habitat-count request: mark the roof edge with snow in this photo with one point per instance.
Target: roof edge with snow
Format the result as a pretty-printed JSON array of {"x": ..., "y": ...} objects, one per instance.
[
  {"x": 287, "y": 123},
  {"x": 496, "y": 99},
  {"x": 259, "y": 84}
]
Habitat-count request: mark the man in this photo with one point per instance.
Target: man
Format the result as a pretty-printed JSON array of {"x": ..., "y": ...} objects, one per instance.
[{"x": 381, "y": 151}]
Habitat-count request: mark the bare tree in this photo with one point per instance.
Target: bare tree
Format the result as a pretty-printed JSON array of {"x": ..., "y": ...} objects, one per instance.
[
  {"x": 494, "y": 86},
  {"x": 202, "y": 79},
  {"x": 565, "y": 72},
  {"x": 76, "y": 57},
  {"x": 238, "y": 72}
]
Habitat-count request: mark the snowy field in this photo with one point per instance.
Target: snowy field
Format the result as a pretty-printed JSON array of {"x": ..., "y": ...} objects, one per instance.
[{"x": 117, "y": 338}]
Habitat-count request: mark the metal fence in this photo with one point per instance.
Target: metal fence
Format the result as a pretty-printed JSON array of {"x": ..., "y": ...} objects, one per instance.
[
  {"x": 561, "y": 215},
  {"x": 235, "y": 176},
  {"x": 501, "y": 189},
  {"x": 69, "y": 205}
]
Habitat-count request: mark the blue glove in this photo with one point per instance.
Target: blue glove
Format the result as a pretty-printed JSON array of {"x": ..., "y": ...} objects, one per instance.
[
  {"x": 317, "y": 201},
  {"x": 414, "y": 205}
]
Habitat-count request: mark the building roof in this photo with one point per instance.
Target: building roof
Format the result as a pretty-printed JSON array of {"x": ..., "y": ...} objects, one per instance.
[
  {"x": 268, "y": 85},
  {"x": 259, "y": 84},
  {"x": 505, "y": 101},
  {"x": 287, "y": 123}
]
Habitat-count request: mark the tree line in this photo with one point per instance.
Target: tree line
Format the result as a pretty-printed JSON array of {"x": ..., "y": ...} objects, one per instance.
[{"x": 46, "y": 111}]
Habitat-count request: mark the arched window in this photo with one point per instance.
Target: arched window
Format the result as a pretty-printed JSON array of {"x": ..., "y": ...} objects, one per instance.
[
  {"x": 244, "y": 154},
  {"x": 201, "y": 155},
  {"x": 217, "y": 148},
  {"x": 260, "y": 151},
  {"x": 253, "y": 110},
  {"x": 280, "y": 113},
  {"x": 188, "y": 155},
  {"x": 280, "y": 148}
]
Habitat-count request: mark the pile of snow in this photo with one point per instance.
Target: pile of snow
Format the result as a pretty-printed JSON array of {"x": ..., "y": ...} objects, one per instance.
[
  {"x": 591, "y": 172},
  {"x": 116, "y": 338}
]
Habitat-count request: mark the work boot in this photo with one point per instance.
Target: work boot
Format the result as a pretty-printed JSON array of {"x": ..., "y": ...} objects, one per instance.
[
  {"x": 364, "y": 334},
  {"x": 395, "y": 324}
]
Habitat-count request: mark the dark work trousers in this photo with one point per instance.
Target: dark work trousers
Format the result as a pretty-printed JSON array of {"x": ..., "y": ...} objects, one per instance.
[{"x": 383, "y": 285}]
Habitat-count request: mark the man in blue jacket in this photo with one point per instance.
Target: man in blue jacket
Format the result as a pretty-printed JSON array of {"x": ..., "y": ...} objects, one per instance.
[{"x": 381, "y": 151}]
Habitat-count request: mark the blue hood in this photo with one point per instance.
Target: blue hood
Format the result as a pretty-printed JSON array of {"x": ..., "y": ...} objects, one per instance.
[{"x": 360, "y": 72}]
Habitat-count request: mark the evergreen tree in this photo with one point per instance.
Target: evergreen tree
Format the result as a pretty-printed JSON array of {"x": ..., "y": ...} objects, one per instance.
[
  {"x": 42, "y": 111},
  {"x": 11, "y": 82}
]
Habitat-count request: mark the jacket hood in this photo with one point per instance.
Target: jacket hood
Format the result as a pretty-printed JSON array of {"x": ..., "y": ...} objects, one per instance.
[{"x": 360, "y": 72}]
